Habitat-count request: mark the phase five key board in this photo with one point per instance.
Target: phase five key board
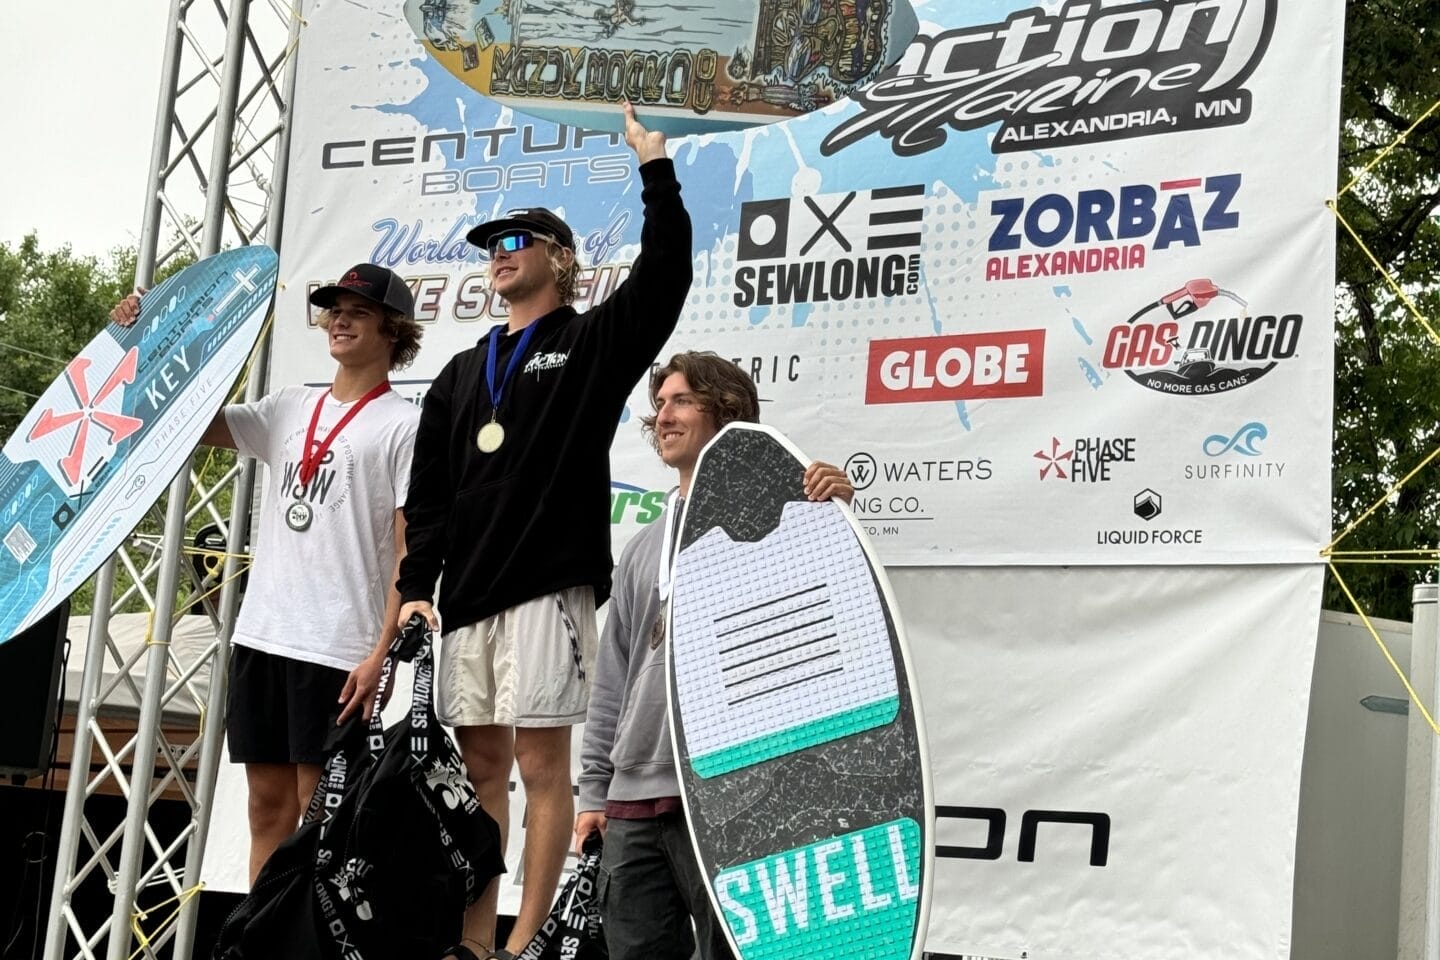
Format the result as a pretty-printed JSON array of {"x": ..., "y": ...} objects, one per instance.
[{"x": 107, "y": 436}]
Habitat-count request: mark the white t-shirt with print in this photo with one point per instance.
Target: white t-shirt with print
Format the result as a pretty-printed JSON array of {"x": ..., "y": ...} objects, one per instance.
[{"x": 318, "y": 595}]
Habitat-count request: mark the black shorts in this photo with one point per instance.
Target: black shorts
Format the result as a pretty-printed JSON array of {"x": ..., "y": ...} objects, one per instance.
[{"x": 282, "y": 710}]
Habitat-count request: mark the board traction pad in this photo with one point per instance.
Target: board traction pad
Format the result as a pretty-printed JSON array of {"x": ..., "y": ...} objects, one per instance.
[
  {"x": 809, "y": 812},
  {"x": 107, "y": 436}
]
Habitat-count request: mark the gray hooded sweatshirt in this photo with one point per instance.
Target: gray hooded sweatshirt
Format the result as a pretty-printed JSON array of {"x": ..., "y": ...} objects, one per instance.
[{"x": 626, "y": 753}]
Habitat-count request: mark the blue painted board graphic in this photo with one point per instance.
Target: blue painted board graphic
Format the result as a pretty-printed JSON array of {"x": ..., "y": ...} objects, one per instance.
[
  {"x": 107, "y": 436},
  {"x": 802, "y": 760}
]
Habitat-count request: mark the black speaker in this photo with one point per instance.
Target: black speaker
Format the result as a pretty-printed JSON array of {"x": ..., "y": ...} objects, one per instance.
[{"x": 30, "y": 665}]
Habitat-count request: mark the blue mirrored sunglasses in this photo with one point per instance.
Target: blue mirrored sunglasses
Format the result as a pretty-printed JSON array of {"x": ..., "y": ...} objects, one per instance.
[{"x": 514, "y": 240}]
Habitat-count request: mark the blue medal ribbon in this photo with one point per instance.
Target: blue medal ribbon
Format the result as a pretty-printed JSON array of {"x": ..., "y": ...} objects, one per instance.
[{"x": 497, "y": 390}]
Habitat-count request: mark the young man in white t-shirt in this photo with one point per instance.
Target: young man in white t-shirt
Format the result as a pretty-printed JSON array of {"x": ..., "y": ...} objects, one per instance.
[{"x": 320, "y": 608}]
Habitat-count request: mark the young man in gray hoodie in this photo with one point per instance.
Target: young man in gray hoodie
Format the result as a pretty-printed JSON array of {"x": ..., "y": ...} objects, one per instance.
[{"x": 651, "y": 888}]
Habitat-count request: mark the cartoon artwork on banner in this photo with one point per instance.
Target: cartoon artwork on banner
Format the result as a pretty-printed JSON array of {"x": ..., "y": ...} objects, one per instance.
[
  {"x": 1050, "y": 289},
  {"x": 693, "y": 67}
]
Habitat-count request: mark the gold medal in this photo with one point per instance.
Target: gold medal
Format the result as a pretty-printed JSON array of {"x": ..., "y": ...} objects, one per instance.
[{"x": 490, "y": 437}]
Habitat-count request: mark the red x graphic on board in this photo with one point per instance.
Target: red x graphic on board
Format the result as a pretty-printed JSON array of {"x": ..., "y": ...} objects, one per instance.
[{"x": 118, "y": 425}]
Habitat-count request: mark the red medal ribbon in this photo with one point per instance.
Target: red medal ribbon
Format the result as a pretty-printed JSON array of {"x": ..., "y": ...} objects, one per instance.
[{"x": 310, "y": 458}]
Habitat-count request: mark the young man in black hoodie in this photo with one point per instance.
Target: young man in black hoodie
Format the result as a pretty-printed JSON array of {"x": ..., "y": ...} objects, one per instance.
[{"x": 510, "y": 500}]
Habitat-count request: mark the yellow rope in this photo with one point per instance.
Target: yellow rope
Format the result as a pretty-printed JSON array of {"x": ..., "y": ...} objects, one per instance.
[
  {"x": 1381, "y": 501},
  {"x": 1375, "y": 635},
  {"x": 141, "y": 913},
  {"x": 1386, "y": 562},
  {"x": 1389, "y": 279},
  {"x": 1424, "y": 552},
  {"x": 1365, "y": 170}
]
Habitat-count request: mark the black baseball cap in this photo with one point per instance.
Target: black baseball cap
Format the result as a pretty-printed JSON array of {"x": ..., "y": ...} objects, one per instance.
[
  {"x": 372, "y": 282},
  {"x": 537, "y": 219}
]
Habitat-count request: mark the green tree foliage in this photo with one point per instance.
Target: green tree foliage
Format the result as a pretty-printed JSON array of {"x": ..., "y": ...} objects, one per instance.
[
  {"x": 1387, "y": 369},
  {"x": 51, "y": 304}
]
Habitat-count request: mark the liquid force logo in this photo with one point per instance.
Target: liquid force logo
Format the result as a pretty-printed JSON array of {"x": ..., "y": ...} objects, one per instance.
[
  {"x": 842, "y": 246},
  {"x": 971, "y": 366},
  {"x": 1088, "y": 73},
  {"x": 1169, "y": 347}
]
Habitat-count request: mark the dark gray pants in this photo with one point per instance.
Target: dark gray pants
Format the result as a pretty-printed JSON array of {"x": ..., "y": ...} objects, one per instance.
[{"x": 650, "y": 888}]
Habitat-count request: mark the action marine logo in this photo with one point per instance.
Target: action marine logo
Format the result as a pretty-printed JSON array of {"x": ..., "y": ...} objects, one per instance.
[{"x": 1089, "y": 72}]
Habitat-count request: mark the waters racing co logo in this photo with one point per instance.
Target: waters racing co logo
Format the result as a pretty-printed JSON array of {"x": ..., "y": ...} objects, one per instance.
[
  {"x": 1085, "y": 459},
  {"x": 903, "y": 486},
  {"x": 1129, "y": 222},
  {"x": 1086, "y": 73},
  {"x": 966, "y": 366},
  {"x": 1170, "y": 347},
  {"x": 632, "y": 504},
  {"x": 841, "y": 246}
]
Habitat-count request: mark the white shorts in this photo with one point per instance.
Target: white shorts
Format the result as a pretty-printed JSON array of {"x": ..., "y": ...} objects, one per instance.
[{"x": 528, "y": 666}]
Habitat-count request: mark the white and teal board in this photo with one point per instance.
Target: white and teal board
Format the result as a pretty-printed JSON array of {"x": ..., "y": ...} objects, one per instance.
[
  {"x": 105, "y": 439},
  {"x": 801, "y": 751}
]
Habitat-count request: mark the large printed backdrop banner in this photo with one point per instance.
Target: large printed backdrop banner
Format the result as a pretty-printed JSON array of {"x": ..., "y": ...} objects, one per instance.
[
  {"x": 1058, "y": 292},
  {"x": 1061, "y": 293}
]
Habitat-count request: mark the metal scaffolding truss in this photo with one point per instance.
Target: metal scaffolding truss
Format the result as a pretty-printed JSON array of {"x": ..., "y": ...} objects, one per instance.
[{"x": 216, "y": 180}]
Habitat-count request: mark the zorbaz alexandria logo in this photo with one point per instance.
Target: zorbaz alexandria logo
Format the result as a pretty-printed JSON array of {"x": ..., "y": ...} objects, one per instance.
[
  {"x": 841, "y": 246},
  {"x": 1087, "y": 73},
  {"x": 1132, "y": 221},
  {"x": 1169, "y": 347}
]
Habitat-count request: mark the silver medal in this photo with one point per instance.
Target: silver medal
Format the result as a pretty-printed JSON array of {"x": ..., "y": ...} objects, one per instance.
[
  {"x": 490, "y": 437},
  {"x": 298, "y": 516}
]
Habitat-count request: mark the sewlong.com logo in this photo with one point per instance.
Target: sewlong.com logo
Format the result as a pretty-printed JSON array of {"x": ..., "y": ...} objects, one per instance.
[{"x": 1087, "y": 73}]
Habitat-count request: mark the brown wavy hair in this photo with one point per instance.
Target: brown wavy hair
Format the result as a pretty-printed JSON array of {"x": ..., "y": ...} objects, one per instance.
[
  {"x": 718, "y": 385},
  {"x": 406, "y": 333},
  {"x": 567, "y": 273}
]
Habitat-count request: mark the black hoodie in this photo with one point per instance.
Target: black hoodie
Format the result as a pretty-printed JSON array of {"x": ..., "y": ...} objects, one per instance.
[{"x": 534, "y": 516}]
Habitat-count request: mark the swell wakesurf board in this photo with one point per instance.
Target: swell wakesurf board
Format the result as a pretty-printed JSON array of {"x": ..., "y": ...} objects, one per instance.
[{"x": 797, "y": 733}]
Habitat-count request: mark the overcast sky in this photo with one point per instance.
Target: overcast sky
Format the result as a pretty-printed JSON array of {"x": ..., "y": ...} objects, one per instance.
[{"x": 81, "y": 82}]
